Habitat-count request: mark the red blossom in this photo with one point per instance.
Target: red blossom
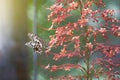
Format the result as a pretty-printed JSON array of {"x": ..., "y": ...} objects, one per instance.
[
  {"x": 47, "y": 67},
  {"x": 88, "y": 4},
  {"x": 107, "y": 15},
  {"x": 66, "y": 67},
  {"x": 89, "y": 46},
  {"x": 56, "y": 6},
  {"x": 59, "y": 19},
  {"x": 77, "y": 41},
  {"x": 54, "y": 68},
  {"x": 68, "y": 55},
  {"x": 82, "y": 22},
  {"x": 109, "y": 50},
  {"x": 116, "y": 30},
  {"x": 52, "y": 42},
  {"x": 86, "y": 12},
  {"x": 100, "y": 3},
  {"x": 73, "y": 5},
  {"x": 103, "y": 32},
  {"x": 75, "y": 25},
  {"x": 64, "y": 50}
]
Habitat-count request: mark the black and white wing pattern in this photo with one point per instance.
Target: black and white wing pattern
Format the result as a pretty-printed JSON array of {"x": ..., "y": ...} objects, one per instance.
[{"x": 36, "y": 43}]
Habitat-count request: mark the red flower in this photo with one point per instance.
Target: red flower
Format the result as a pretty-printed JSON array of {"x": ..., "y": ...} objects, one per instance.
[
  {"x": 54, "y": 68},
  {"x": 89, "y": 46},
  {"x": 82, "y": 22},
  {"x": 66, "y": 67},
  {"x": 73, "y": 5}
]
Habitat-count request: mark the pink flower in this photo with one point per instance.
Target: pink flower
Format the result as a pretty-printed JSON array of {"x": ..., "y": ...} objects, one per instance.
[
  {"x": 73, "y": 5},
  {"x": 82, "y": 22},
  {"x": 102, "y": 30},
  {"x": 89, "y": 46}
]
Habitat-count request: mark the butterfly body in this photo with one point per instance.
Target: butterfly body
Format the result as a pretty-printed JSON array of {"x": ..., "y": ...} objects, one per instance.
[{"x": 36, "y": 43}]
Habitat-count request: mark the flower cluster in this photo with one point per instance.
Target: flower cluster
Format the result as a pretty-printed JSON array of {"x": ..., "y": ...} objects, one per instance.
[
  {"x": 59, "y": 13},
  {"x": 109, "y": 50},
  {"x": 82, "y": 37},
  {"x": 66, "y": 67}
]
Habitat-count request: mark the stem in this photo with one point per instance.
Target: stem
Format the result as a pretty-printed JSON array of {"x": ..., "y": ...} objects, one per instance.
[
  {"x": 35, "y": 66},
  {"x": 81, "y": 5},
  {"x": 35, "y": 17},
  {"x": 87, "y": 58},
  {"x": 88, "y": 65},
  {"x": 35, "y": 73}
]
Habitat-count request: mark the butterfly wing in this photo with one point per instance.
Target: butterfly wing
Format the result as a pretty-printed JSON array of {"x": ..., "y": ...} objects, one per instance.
[{"x": 36, "y": 43}]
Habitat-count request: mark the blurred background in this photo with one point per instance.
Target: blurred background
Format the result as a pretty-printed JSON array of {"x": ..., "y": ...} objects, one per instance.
[{"x": 16, "y": 21}]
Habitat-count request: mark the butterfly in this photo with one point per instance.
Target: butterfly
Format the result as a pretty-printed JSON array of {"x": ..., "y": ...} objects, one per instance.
[{"x": 36, "y": 43}]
